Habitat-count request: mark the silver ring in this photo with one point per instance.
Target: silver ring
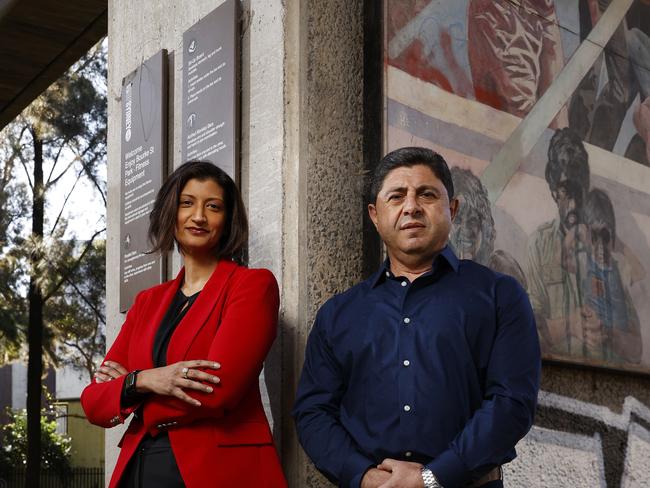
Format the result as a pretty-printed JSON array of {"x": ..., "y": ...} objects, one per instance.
[{"x": 185, "y": 371}]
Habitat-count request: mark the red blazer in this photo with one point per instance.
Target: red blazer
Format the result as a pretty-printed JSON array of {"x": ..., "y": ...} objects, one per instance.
[{"x": 225, "y": 442}]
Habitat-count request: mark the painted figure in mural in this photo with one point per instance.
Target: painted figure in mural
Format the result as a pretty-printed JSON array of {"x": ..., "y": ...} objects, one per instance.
[
  {"x": 472, "y": 232},
  {"x": 578, "y": 292},
  {"x": 428, "y": 40},
  {"x": 427, "y": 373},
  {"x": 503, "y": 262},
  {"x": 638, "y": 41},
  {"x": 512, "y": 79},
  {"x": 553, "y": 248},
  {"x": 596, "y": 112},
  {"x": 611, "y": 326}
]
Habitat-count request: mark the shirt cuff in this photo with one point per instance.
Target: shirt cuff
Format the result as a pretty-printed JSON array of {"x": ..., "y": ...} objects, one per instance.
[
  {"x": 354, "y": 469},
  {"x": 449, "y": 469}
]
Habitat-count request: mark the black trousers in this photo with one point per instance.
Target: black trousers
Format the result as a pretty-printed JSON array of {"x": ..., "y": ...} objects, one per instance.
[{"x": 153, "y": 466}]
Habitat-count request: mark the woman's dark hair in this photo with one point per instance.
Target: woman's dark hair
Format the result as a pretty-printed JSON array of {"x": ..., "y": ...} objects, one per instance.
[
  {"x": 410, "y": 156},
  {"x": 162, "y": 220}
]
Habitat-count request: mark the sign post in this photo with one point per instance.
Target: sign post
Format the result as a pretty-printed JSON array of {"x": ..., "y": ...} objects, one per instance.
[{"x": 144, "y": 154}]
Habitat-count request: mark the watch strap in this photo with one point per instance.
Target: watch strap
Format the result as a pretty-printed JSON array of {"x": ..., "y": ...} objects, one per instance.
[
  {"x": 129, "y": 383},
  {"x": 429, "y": 479}
]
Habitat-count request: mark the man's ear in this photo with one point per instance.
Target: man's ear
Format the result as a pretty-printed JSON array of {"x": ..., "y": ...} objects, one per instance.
[
  {"x": 372, "y": 212},
  {"x": 453, "y": 208}
]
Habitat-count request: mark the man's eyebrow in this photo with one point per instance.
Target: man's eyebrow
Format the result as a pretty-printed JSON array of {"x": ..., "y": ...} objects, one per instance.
[
  {"x": 428, "y": 187},
  {"x": 395, "y": 189}
]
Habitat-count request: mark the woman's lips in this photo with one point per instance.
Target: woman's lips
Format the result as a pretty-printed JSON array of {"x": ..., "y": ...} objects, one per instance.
[{"x": 196, "y": 230}]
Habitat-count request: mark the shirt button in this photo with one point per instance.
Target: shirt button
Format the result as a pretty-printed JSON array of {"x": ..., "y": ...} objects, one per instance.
[
  {"x": 404, "y": 283},
  {"x": 407, "y": 408},
  {"x": 407, "y": 320},
  {"x": 408, "y": 453},
  {"x": 406, "y": 362},
  {"x": 387, "y": 274}
]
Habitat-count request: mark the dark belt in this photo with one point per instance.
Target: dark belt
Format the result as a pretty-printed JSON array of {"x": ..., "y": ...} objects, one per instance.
[{"x": 493, "y": 475}]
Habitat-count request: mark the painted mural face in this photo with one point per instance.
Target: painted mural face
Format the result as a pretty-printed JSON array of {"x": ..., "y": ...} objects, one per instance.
[
  {"x": 568, "y": 212},
  {"x": 468, "y": 234},
  {"x": 568, "y": 198},
  {"x": 472, "y": 232},
  {"x": 413, "y": 213}
]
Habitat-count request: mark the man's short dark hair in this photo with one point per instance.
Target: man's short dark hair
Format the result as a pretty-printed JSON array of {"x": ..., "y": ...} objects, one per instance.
[
  {"x": 567, "y": 161},
  {"x": 408, "y": 157},
  {"x": 162, "y": 220}
]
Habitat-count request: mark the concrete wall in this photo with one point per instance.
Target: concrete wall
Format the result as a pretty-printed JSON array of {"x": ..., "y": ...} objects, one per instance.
[
  {"x": 136, "y": 31},
  {"x": 323, "y": 184},
  {"x": 301, "y": 164},
  {"x": 87, "y": 448}
]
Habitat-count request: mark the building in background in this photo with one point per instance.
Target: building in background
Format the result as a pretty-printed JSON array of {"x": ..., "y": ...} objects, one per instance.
[{"x": 64, "y": 386}]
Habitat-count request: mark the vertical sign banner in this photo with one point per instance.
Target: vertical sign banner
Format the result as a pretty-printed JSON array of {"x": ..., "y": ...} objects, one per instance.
[
  {"x": 210, "y": 89},
  {"x": 144, "y": 153}
]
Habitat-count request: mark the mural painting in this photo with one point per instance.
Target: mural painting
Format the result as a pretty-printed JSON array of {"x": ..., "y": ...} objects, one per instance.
[{"x": 542, "y": 108}]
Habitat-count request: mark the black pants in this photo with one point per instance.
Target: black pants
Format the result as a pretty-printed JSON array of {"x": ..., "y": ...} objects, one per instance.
[{"x": 153, "y": 466}]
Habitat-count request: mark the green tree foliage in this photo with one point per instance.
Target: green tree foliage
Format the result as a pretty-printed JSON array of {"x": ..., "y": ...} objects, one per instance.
[
  {"x": 12, "y": 309},
  {"x": 53, "y": 294},
  {"x": 76, "y": 313},
  {"x": 55, "y": 447}
]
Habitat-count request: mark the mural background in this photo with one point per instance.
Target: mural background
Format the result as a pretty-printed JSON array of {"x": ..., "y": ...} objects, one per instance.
[
  {"x": 543, "y": 113},
  {"x": 561, "y": 205}
]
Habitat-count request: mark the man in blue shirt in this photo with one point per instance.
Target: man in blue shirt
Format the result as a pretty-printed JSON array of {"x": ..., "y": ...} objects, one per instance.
[{"x": 426, "y": 374}]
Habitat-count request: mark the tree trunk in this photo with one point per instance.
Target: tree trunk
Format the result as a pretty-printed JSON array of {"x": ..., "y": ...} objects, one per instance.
[{"x": 35, "y": 330}]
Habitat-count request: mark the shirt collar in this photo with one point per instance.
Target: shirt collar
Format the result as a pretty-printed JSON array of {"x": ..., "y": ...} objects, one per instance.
[{"x": 447, "y": 254}]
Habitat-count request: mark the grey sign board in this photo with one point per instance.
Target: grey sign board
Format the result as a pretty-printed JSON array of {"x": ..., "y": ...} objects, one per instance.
[
  {"x": 211, "y": 89},
  {"x": 143, "y": 162}
]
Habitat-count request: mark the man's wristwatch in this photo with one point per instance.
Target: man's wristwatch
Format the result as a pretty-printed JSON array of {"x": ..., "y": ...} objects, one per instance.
[
  {"x": 429, "y": 479},
  {"x": 129, "y": 383}
]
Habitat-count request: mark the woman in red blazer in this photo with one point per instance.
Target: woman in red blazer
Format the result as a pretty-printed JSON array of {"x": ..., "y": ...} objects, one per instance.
[{"x": 187, "y": 359}]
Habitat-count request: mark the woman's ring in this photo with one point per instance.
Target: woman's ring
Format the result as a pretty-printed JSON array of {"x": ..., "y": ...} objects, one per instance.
[{"x": 185, "y": 371}]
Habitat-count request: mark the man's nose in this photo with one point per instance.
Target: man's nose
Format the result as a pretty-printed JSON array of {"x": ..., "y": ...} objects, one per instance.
[{"x": 411, "y": 204}]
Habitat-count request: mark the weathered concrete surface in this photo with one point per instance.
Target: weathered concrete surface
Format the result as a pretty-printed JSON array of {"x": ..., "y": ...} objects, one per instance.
[
  {"x": 301, "y": 161},
  {"x": 137, "y": 31},
  {"x": 323, "y": 183}
]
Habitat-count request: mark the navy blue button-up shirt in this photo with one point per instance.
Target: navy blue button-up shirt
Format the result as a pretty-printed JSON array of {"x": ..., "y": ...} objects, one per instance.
[{"x": 443, "y": 370}]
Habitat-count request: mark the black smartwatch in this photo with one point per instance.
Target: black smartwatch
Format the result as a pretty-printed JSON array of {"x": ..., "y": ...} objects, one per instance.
[{"x": 129, "y": 383}]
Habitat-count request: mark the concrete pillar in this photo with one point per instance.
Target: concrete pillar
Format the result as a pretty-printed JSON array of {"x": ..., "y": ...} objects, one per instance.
[
  {"x": 302, "y": 163},
  {"x": 323, "y": 206}
]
